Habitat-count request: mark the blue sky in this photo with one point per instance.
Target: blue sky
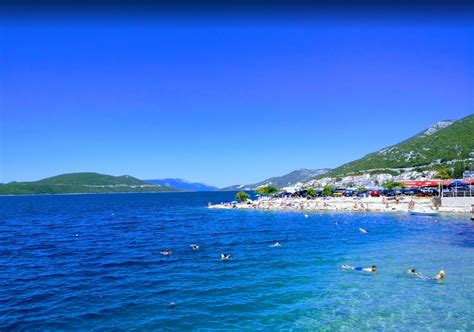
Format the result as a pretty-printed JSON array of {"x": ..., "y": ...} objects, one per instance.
[{"x": 222, "y": 102}]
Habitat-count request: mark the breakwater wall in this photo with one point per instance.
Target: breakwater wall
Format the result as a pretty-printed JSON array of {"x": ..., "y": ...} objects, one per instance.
[{"x": 465, "y": 202}]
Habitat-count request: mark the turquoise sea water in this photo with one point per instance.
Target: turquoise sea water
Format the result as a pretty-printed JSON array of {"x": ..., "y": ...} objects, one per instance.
[{"x": 92, "y": 262}]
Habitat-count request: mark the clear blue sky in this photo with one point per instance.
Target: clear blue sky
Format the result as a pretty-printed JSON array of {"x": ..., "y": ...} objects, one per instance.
[{"x": 222, "y": 103}]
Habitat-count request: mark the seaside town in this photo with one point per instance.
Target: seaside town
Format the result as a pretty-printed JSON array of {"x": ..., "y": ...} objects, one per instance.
[{"x": 423, "y": 196}]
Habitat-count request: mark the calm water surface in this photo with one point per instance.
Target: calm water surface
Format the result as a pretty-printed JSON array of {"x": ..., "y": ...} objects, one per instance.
[{"x": 92, "y": 262}]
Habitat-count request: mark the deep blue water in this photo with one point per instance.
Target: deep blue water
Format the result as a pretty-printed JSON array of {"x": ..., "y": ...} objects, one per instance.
[{"x": 85, "y": 262}]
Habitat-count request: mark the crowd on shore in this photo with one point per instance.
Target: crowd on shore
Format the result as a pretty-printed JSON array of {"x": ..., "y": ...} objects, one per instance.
[{"x": 373, "y": 204}]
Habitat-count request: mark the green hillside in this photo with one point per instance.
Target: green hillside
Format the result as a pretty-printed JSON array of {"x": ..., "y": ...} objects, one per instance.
[
  {"x": 443, "y": 142},
  {"x": 81, "y": 183},
  {"x": 301, "y": 175}
]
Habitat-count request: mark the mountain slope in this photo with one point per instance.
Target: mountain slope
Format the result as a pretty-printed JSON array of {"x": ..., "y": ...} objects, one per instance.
[
  {"x": 445, "y": 141},
  {"x": 87, "y": 182},
  {"x": 301, "y": 175},
  {"x": 182, "y": 184}
]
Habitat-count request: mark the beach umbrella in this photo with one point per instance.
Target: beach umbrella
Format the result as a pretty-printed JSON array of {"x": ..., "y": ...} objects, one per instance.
[{"x": 457, "y": 183}]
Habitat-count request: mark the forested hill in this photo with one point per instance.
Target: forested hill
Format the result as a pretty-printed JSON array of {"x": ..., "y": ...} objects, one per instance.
[
  {"x": 445, "y": 141},
  {"x": 87, "y": 182}
]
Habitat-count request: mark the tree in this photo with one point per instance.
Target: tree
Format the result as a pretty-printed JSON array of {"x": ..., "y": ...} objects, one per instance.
[
  {"x": 458, "y": 171},
  {"x": 242, "y": 196},
  {"x": 361, "y": 189},
  {"x": 267, "y": 190},
  {"x": 442, "y": 173},
  {"x": 391, "y": 185},
  {"x": 327, "y": 191},
  {"x": 311, "y": 192}
]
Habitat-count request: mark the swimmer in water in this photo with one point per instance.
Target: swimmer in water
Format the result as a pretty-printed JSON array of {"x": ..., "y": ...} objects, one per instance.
[
  {"x": 167, "y": 252},
  {"x": 171, "y": 305},
  {"x": 363, "y": 230},
  {"x": 413, "y": 271},
  {"x": 306, "y": 216},
  {"x": 194, "y": 247},
  {"x": 276, "y": 244},
  {"x": 373, "y": 268},
  {"x": 440, "y": 276},
  {"x": 225, "y": 257}
]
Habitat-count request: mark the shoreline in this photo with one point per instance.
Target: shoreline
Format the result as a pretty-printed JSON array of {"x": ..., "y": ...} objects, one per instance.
[{"x": 344, "y": 204}]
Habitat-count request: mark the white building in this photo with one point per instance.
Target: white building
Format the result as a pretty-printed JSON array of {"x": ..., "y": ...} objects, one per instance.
[{"x": 468, "y": 175}]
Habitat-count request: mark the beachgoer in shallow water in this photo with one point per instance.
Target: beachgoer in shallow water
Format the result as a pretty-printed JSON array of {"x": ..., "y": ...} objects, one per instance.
[
  {"x": 363, "y": 230},
  {"x": 171, "y": 305},
  {"x": 373, "y": 268},
  {"x": 225, "y": 257},
  {"x": 276, "y": 244},
  {"x": 167, "y": 252},
  {"x": 194, "y": 247},
  {"x": 440, "y": 276}
]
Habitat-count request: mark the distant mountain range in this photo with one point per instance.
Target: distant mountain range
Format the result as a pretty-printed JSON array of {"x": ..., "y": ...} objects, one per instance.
[
  {"x": 182, "y": 184},
  {"x": 301, "y": 175},
  {"x": 445, "y": 141},
  {"x": 87, "y": 182}
]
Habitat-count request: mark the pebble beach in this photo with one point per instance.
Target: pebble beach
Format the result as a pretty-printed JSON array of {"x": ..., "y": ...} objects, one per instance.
[{"x": 352, "y": 204}]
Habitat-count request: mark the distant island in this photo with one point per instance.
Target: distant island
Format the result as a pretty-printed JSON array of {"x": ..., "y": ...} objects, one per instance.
[{"x": 82, "y": 183}]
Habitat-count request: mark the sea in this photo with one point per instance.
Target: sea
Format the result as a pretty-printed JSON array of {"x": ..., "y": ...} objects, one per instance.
[{"x": 93, "y": 263}]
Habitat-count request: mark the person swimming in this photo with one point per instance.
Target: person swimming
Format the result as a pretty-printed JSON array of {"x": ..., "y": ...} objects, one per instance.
[
  {"x": 194, "y": 247},
  {"x": 225, "y": 257},
  {"x": 306, "y": 216},
  {"x": 373, "y": 268},
  {"x": 363, "y": 230},
  {"x": 415, "y": 273},
  {"x": 276, "y": 244},
  {"x": 440, "y": 276},
  {"x": 166, "y": 252}
]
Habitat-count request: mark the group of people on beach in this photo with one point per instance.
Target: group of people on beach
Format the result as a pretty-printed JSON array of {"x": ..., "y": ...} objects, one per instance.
[{"x": 372, "y": 269}]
